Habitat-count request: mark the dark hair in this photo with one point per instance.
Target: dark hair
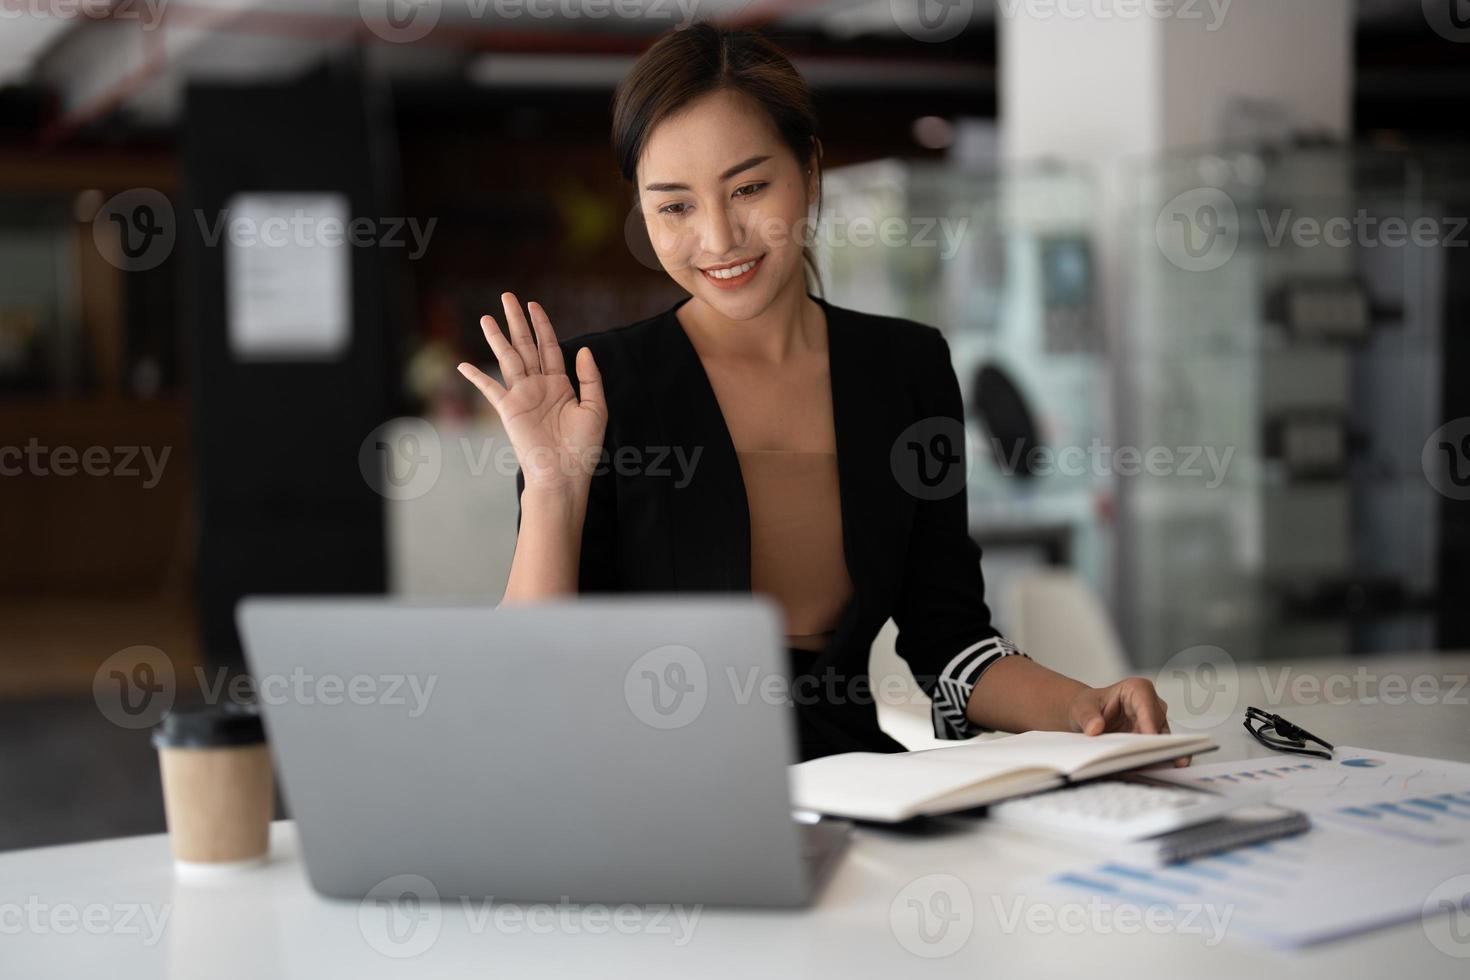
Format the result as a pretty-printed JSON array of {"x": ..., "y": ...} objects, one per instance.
[{"x": 699, "y": 59}]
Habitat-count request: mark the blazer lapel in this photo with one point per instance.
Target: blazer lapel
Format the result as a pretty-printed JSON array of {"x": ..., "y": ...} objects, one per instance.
[
  {"x": 709, "y": 515},
  {"x": 867, "y": 412},
  {"x": 851, "y": 406}
]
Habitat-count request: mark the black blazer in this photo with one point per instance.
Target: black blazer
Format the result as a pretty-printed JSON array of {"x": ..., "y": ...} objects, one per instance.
[{"x": 667, "y": 510}]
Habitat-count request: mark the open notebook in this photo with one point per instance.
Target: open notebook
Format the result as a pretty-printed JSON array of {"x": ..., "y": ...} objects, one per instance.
[{"x": 897, "y": 786}]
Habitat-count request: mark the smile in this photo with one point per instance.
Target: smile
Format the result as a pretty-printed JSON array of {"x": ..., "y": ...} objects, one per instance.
[{"x": 736, "y": 275}]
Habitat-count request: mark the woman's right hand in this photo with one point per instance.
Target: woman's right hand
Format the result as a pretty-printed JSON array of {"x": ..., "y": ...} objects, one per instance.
[{"x": 557, "y": 438}]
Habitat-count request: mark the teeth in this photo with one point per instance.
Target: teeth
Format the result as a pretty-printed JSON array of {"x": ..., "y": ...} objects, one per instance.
[{"x": 738, "y": 270}]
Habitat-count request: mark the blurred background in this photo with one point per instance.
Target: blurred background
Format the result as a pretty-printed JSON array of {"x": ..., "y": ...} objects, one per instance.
[{"x": 1203, "y": 267}]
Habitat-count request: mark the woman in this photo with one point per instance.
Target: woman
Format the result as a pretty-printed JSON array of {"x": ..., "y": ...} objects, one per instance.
[{"x": 755, "y": 437}]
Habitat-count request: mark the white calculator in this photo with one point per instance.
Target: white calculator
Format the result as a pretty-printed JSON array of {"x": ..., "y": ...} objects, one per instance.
[{"x": 1117, "y": 809}]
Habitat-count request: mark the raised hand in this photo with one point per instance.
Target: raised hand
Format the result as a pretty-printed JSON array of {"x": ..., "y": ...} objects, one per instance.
[{"x": 557, "y": 438}]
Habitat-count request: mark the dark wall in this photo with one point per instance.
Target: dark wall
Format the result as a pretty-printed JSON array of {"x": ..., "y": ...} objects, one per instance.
[
  {"x": 283, "y": 506},
  {"x": 1454, "y": 544}
]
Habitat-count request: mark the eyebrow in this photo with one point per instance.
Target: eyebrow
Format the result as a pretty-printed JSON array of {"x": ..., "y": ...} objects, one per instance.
[{"x": 742, "y": 165}]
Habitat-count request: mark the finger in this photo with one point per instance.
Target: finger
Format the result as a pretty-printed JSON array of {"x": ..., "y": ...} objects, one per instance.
[
  {"x": 1183, "y": 760},
  {"x": 511, "y": 367},
  {"x": 520, "y": 333},
  {"x": 1144, "y": 710},
  {"x": 589, "y": 380},
  {"x": 1086, "y": 716},
  {"x": 488, "y": 386},
  {"x": 546, "y": 345}
]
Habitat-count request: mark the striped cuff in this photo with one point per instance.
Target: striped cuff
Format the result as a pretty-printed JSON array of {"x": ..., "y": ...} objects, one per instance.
[{"x": 958, "y": 679}]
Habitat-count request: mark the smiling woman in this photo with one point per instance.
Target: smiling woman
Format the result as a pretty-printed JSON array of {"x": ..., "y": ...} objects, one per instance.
[
  {"x": 717, "y": 135},
  {"x": 816, "y": 431}
]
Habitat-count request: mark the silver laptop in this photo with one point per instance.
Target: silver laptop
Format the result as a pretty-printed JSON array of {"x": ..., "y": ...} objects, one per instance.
[{"x": 586, "y": 750}]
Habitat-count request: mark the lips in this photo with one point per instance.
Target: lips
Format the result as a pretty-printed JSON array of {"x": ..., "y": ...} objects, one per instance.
[{"x": 731, "y": 282}]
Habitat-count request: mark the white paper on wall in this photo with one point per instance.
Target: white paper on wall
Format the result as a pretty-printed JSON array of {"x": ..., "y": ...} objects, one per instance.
[{"x": 288, "y": 275}]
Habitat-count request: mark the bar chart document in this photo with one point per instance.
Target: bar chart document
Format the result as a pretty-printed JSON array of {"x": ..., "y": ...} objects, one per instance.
[{"x": 1390, "y": 843}]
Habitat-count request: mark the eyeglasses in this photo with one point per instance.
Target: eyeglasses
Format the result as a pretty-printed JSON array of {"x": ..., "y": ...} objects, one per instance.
[{"x": 1275, "y": 732}]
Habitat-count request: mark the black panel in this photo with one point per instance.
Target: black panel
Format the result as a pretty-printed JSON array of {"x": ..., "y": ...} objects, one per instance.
[
  {"x": 1454, "y": 543},
  {"x": 283, "y": 507}
]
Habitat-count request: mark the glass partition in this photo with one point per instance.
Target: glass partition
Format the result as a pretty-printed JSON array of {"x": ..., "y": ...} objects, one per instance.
[
  {"x": 1282, "y": 325},
  {"x": 1002, "y": 262}
]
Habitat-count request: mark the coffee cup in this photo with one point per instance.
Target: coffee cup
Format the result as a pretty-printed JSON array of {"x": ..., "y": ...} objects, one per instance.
[{"x": 218, "y": 790}]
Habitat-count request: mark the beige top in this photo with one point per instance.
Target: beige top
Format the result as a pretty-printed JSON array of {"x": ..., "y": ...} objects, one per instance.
[
  {"x": 781, "y": 425},
  {"x": 796, "y": 553}
]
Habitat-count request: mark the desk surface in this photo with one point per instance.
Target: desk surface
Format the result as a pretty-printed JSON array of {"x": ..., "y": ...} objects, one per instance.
[{"x": 95, "y": 909}]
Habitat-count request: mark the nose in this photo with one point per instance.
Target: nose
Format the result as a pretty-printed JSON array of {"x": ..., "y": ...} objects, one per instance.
[{"x": 721, "y": 233}]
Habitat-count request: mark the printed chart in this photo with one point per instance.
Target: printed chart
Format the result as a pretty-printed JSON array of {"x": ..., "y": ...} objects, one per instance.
[
  {"x": 1295, "y": 891},
  {"x": 1399, "y": 822}
]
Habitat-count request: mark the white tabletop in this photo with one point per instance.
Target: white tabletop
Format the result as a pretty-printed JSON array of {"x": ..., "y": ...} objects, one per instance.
[{"x": 116, "y": 909}]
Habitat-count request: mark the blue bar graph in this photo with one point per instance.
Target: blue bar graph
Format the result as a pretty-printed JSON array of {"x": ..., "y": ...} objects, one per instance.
[{"x": 1439, "y": 820}]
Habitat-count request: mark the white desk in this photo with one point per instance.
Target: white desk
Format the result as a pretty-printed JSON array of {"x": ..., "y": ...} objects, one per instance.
[{"x": 268, "y": 923}]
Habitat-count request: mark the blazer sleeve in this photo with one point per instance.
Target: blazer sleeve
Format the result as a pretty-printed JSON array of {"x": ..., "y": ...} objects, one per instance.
[
  {"x": 945, "y": 632},
  {"x": 597, "y": 569}
]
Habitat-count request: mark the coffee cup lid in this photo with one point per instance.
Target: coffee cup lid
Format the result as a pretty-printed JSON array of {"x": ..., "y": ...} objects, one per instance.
[{"x": 209, "y": 726}]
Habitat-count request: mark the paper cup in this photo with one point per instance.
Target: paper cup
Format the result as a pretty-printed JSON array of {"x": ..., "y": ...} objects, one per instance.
[{"x": 218, "y": 792}]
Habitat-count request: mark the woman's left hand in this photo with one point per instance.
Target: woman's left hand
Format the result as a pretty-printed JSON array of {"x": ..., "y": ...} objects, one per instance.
[{"x": 1131, "y": 705}]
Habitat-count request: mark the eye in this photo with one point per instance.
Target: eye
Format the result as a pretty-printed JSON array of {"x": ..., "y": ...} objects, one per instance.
[{"x": 752, "y": 189}]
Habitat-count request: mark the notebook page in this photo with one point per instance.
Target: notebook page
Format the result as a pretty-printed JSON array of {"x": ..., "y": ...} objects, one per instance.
[
  {"x": 883, "y": 785},
  {"x": 1065, "y": 752}
]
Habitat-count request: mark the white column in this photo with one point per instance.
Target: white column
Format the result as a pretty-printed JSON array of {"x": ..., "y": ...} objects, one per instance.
[
  {"x": 1097, "y": 80},
  {"x": 1111, "y": 84}
]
